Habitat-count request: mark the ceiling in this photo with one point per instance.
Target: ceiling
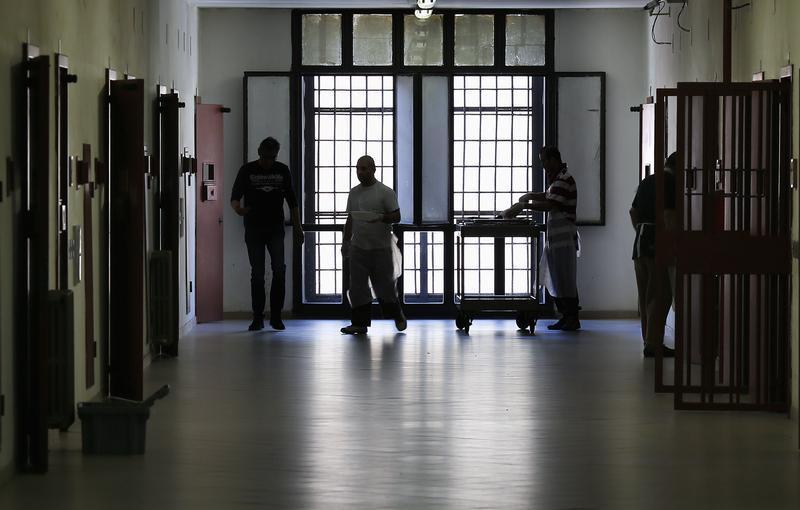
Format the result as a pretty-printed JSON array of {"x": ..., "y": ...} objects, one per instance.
[{"x": 443, "y": 4}]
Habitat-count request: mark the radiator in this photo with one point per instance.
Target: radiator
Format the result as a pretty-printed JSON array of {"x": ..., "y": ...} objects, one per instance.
[
  {"x": 60, "y": 360},
  {"x": 161, "y": 313}
]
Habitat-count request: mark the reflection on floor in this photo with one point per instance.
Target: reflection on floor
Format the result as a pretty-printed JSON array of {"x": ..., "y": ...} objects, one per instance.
[{"x": 432, "y": 418}]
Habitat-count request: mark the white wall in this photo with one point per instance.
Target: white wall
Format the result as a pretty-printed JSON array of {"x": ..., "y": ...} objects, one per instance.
[
  {"x": 234, "y": 41},
  {"x": 239, "y": 40},
  {"x": 609, "y": 41}
]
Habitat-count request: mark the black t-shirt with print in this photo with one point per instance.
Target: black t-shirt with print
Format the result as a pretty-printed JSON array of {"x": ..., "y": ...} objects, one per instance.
[{"x": 263, "y": 191}]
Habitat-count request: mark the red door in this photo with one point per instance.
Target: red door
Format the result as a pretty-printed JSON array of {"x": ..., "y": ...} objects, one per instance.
[{"x": 210, "y": 201}]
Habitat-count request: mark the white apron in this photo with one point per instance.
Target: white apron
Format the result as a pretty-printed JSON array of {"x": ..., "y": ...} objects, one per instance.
[{"x": 559, "y": 262}]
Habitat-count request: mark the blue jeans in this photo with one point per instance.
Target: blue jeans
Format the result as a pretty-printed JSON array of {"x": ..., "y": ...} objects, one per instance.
[{"x": 271, "y": 239}]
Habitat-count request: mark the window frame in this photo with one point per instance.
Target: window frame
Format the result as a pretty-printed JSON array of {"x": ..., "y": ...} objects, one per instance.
[
  {"x": 448, "y": 41},
  {"x": 299, "y": 134}
]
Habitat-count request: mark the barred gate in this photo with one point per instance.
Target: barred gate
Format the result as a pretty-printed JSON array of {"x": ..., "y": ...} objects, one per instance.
[{"x": 731, "y": 249}]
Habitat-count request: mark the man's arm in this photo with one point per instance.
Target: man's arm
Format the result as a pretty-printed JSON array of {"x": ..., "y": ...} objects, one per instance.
[
  {"x": 348, "y": 229},
  {"x": 299, "y": 235},
  {"x": 544, "y": 206},
  {"x": 634, "y": 213},
  {"x": 237, "y": 193},
  {"x": 391, "y": 217},
  {"x": 348, "y": 235},
  {"x": 533, "y": 196},
  {"x": 237, "y": 206}
]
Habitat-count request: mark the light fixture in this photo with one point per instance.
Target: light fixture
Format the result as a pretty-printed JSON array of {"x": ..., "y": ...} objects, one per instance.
[
  {"x": 423, "y": 13},
  {"x": 426, "y": 4}
]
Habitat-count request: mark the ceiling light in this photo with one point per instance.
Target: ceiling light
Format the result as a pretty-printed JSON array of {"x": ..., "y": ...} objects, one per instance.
[{"x": 423, "y": 13}]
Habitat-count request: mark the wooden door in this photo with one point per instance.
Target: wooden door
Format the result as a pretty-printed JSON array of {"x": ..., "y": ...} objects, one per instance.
[
  {"x": 32, "y": 262},
  {"x": 127, "y": 233},
  {"x": 169, "y": 203},
  {"x": 210, "y": 201}
]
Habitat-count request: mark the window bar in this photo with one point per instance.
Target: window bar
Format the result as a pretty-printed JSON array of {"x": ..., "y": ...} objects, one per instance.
[{"x": 423, "y": 266}]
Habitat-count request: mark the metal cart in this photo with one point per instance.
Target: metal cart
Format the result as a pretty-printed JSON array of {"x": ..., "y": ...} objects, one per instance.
[{"x": 530, "y": 306}]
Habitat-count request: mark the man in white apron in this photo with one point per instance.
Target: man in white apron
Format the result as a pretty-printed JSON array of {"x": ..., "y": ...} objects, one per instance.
[
  {"x": 371, "y": 247},
  {"x": 559, "y": 258}
]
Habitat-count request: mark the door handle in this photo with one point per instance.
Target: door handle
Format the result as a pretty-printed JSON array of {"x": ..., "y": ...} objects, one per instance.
[{"x": 219, "y": 220}]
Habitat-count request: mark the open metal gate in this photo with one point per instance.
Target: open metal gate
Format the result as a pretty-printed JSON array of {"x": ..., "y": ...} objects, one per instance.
[{"x": 730, "y": 250}]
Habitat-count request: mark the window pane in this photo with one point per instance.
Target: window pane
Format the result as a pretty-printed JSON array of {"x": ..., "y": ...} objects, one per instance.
[
  {"x": 372, "y": 39},
  {"x": 518, "y": 265},
  {"x": 478, "y": 265},
  {"x": 488, "y": 140},
  {"x": 423, "y": 267},
  {"x": 423, "y": 41},
  {"x": 322, "y": 267},
  {"x": 344, "y": 132},
  {"x": 322, "y": 39},
  {"x": 474, "y": 40},
  {"x": 525, "y": 40}
]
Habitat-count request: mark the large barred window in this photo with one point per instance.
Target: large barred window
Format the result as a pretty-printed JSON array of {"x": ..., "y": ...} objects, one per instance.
[{"x": 352, "y": 115}]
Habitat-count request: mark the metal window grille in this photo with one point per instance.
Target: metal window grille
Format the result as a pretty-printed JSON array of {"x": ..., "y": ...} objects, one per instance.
[
  {"x": 323, "y": 267},
  {"x": 493, "y": 158},
  {"x": 492, "y": 142},
  {"x": 352, "y": 116},
  {"x": 423, "y": 267}
]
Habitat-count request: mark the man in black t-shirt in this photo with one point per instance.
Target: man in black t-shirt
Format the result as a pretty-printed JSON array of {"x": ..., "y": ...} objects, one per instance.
[
  {"x": 653, "y": 283},
  {"x": 264, "y": 184}
]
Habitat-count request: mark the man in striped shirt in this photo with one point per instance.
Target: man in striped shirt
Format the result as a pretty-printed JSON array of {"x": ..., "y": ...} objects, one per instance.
[{"x": 559, "y": 258}]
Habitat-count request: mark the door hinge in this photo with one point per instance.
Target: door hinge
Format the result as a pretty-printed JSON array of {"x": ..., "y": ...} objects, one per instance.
[
  {"x": 94, "y": 349},
  {"x": 2, "y": 405}
]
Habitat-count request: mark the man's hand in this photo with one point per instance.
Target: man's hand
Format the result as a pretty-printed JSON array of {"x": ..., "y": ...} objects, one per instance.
[
  {"x": 512, "y": 211},
  {"x": 241, "y": 211},
  {"x": 299, "y": 235}
]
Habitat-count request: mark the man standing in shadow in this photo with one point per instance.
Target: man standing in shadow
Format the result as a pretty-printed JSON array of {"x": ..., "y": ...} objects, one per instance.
[{"x": 264, "y": 184}]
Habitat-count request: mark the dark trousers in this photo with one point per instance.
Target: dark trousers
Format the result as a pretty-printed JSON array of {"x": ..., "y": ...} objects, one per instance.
[
  {"x": 271, "y": 239},
  {"x": 568, "y": 307},
  {"x": 655, "y": 299},
  {"x": 362, "y": 315}
]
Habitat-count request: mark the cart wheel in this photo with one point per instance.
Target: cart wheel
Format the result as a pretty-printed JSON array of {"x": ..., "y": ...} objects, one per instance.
[
  {"x": 522, "y": 321},
  {"x": 461, "y": 321}
]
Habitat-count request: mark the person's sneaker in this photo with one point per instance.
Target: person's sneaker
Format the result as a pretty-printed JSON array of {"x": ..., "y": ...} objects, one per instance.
[
  {"x": 256, "y": 325},
  {"x": 556, "y": 325},
  {"x": 571, "y": 325},
  {"x": 354, "y": 330},
  {"x": 401, "y": 324},
  {"x": 277, "y": 324},
  {"x": 666, "y": 352}
]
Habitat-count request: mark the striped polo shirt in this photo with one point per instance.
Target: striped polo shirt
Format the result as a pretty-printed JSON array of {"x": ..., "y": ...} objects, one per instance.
[{"x": 563, "y": 193}]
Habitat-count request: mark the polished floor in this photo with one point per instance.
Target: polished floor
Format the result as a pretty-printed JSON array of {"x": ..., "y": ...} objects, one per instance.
[{"x": 429, "y": 418}]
